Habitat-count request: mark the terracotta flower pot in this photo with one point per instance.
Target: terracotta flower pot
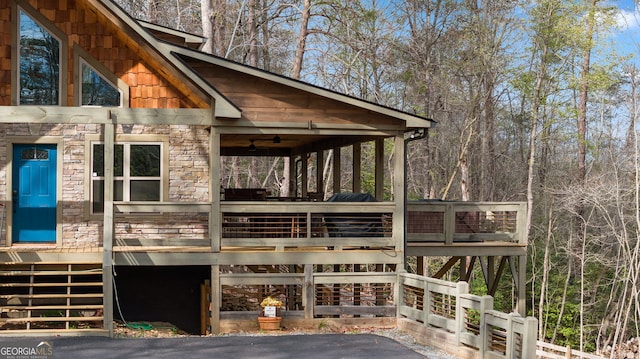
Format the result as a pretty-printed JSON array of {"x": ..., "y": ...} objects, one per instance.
[{"x": 269, "y": 323}]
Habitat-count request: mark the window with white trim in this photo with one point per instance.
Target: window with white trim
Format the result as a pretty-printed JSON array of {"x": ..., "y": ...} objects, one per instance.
[
  {"x": 137, "y": 173},
  {"x": 38, "y": 64}
]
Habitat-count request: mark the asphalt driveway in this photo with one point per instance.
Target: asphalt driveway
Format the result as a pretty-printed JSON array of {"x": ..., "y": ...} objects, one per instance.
[{"x": 366, "y": 346}]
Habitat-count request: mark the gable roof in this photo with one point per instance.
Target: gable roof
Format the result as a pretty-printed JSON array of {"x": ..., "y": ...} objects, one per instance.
[
  {"x": 119, "y": 17},
  {"x": 171, "y": 52},
  {"x": 412, "y": 121}
]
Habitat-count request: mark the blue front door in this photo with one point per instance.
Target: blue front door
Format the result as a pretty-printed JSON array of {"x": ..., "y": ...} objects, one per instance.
[{"x": 34, "y": 193}]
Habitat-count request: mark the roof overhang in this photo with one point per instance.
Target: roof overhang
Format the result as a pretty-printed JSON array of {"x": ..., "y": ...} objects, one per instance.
[
  {"x": 411, "y": 121},
  {"x": 190, "y": 40},
  {"x": 148, "y": 42}
]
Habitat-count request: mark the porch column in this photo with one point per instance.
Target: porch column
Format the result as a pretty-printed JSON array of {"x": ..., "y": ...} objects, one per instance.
[
  {"x": 320, "y": 171},
  {"x": 108, "y": 229},
  {"x": 357, "y": 168},
  {"x": 290, "y": 165},
  {"x": 379, "y": 175},
  {"x": 337, "y": 163},
  {"x": 399, "y": 194},
  {"x": 215, "y": 227},
  {"x": 304, "y": 175}
]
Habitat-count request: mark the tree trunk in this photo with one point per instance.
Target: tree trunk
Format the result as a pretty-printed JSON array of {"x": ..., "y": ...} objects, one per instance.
[
  {"x": 206, "y": 9},
  {"x": 253, "y": 33},
  {"x": 545, "y": 275},
  {"x": 213, "y": 26},
  {"x": 302, "y": 40},
  {"x": 584, "y": 91}
]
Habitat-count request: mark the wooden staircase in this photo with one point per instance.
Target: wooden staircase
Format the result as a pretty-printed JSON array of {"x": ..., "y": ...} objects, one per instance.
[{"x": 51, "y": 297}]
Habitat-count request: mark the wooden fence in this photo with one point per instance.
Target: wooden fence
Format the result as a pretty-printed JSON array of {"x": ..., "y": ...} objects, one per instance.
[
  {"x": 448, "y": 316},
  {"x": 550, "y": 351}
]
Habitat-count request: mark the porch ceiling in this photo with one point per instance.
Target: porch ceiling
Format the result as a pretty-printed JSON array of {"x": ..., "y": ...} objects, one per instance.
[{"x": 289, "y": 144}]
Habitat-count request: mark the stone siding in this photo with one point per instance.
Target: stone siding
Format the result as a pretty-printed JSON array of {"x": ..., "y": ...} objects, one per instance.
[{"x": 188, "y": 181}]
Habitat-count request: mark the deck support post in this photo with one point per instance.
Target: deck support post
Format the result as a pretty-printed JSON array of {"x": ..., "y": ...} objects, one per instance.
[
  {"x": 399, "y": 229},
  {"x": 109, "y": 228},
  {"x": 308, "y": 292},
  {"x": 521, "y": 306},
  {"x": 215, "y": 227},
  {"x": 216, "y": 299}
]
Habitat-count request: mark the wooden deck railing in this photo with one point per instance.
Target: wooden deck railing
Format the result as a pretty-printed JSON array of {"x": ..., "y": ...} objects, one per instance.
[
  {"x": 261, "y": 224},
  {"x": 282, "y": 225},
  {"x": 309, "y": 294},
  {"x": 307, "y": 224},
  {"x": 163, "y": 224},
  {"x": 468, "y": 320},
  {"x": 451, "y": 222}
]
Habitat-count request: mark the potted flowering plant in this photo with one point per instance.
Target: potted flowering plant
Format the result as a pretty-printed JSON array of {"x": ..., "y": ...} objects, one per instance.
[{"x": 269, "y": 318}]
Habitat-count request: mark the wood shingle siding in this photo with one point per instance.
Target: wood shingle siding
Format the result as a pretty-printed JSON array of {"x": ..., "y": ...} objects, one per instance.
[{"x": 114, "y": 47}]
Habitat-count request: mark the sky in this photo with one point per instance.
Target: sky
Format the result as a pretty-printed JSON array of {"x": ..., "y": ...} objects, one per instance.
[{"x": 628, "y": 38}]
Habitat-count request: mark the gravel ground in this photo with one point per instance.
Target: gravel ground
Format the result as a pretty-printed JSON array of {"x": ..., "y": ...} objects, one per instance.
[
  {"x": 410, "y": 342},
  {"x": 166, "y": 330},
  {"x": 394, "y": 334}
]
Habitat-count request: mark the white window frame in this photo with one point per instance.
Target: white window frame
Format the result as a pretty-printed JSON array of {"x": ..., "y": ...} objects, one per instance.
[{"x": 127, "y": 141}]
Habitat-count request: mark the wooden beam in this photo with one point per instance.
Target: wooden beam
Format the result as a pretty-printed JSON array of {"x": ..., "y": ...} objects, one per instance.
[
  {"x": 521, "y": 306},
  {"x": 469, "y": 262},
  {"x": 290, "y": 166},
  {"x": 464, "y": 249},
  {"x": 122, "y": 208},
  {"x": 84, "y": 115},
  {"x": 109, "y": 226},
  {"x": 257, "y": 258},
  {"x": 379, "y": 167},
  {"x": 357, "y": 167},
  {"x": 304, "y": 175},
  {"x": 308, "y": 292},
  {"x": 337, "y": 163},
  {"x": 319, "y": 171},
  {"x": 446, "y": 267},
  {"x": 166, "y": 116},
  {"x": 259, "y": 152},
  {"x": 57, "y": 257},
  {"x": 215, "y": 216},
  {"x": 494, "y": 288},
  {"x": 399, "y": 220},
  {"x": 344, "y": 134},
  {"x": 216, "y": 299}
]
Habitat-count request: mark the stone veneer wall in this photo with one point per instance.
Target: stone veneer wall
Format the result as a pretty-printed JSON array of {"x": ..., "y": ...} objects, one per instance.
[{"x": 188, "y": 181}]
